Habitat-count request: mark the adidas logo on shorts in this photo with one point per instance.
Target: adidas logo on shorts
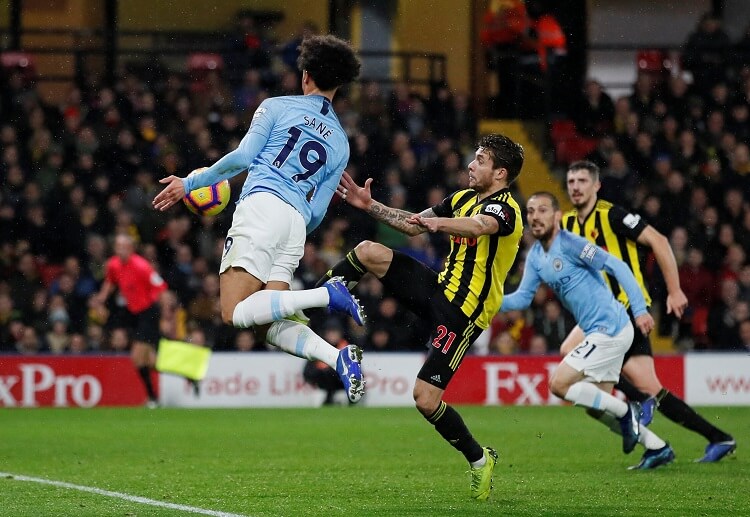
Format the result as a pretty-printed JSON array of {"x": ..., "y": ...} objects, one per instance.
[{"x": 435, "y": 378}]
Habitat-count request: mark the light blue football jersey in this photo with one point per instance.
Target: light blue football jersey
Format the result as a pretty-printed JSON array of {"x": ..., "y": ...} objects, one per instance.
[
  {"x": 572, "y": 268},
  {"x": 295, "y": 149}
]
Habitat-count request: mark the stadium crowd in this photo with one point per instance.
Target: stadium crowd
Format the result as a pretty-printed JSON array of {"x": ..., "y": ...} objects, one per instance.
[{"x": 76, "y": 174}]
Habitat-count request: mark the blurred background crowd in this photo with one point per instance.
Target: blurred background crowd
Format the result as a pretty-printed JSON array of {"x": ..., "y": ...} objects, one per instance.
[{"x": 675, "y": 149}]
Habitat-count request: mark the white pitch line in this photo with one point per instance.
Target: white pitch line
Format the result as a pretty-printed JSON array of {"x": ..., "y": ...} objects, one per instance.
[{"x": 119, "y": 495}]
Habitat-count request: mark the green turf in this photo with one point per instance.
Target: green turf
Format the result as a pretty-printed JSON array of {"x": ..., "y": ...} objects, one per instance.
[{"x": 355, "y": 461}]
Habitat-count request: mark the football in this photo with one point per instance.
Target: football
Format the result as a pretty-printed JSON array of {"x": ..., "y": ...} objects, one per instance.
[{"x": 208, "y": 200}]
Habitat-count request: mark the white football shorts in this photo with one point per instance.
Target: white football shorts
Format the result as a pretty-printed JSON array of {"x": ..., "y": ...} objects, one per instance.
[
  {"x": 600, "y": 356},
  {"x": 267, "y": 238}
]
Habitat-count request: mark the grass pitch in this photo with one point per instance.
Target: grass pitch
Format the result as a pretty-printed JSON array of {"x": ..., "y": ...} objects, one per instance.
[{"x": 354, "y": 461}]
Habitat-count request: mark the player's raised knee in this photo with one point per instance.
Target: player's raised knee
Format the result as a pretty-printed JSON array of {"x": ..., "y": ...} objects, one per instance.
[
  {"x": 366, "y": 250},
  {"x": 374, "y": 255}
]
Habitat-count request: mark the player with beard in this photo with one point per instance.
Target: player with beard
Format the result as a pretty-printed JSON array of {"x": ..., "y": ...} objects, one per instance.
[
  {"x": 572, "y": 267},
  {"x": 621, "y": 233},
  {"x": 484, "y": 224}
]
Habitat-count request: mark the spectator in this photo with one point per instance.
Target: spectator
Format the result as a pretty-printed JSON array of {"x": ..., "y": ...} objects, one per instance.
[
  {"x": 246, "y": 342},
  {"x": 204, "y": 308},
  {"x": 689, "y": 156},
  {"x": 538, "y": 345},
  {"x": 29, "y": 342},
  {"x": 547, "y": 38},
  {"x": 58, "y": 339},
  {"x": 516, "y": 325},
  {"x": 8, "y": 315},
  {"x": 392, "y": 328},
  {"x": 722, "y": 318},
  {"x": 618, "y": 181},
  {"x": 734, "y": 260},
  {"x": 644, "y": 95},
  {"x": 505, "y": 24},
  {"x": 676, "y": 98},
  {"x": 95, "y": 337},
  {"x": 734, "y": 205},
  {"x": 57, "y": 204},
  {"x": 706, "y": 52},
  {"x": 245, "y": 48},
  {"x": 504, "y": 344},
  {"x": 173, "y": 320},
  {"x": 553, "y": 325},
  {"x": 719, "y": 245},
  {"x": 678, "y": 240},
  {"x": 704, "y": 231},
  {"x": 78, "y": 344},
  {"x": 698, "y": 284},
  {"x": 595, "y": 113},
  {"x": 675, "y": 201},
  {"x": 196, "y": 336},
  {"x": 667, "y": 137},
  {"x": 119, "y": 341},
  {"x": 37, "y": 316},
  {"x": 25, "y": 282},
  {"x": 290, "y": 50}
]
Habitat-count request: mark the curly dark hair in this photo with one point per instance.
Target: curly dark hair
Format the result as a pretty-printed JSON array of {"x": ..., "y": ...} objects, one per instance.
[
  {"x": 329, "y": 60},
  {"x": 504, "y": 153}
]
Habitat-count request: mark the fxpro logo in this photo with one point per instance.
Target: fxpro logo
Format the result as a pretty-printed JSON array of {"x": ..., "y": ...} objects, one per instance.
[
  {"x": 34, "y": 379},
  {"x": 507, "y": 385}
]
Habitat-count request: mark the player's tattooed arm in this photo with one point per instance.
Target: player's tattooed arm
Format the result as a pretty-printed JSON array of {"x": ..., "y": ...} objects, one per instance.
[{"x": 401, "y": 220}]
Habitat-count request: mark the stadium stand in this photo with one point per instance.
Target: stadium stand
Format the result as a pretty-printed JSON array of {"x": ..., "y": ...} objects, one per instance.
[{"x": 76, "y": 173}]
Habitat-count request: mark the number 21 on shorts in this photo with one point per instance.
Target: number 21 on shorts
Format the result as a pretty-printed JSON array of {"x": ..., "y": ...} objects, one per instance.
[
  {"x": 444, "y": 339},
  {"x": 584, "y": 350}
]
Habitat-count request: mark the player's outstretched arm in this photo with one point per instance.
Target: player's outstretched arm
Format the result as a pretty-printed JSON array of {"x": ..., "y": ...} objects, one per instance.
[
  {"x": 172, "y": 193},
  {"x": 676, "y": 299},
  {"x": 521, "y": 298},
  {"x": 614, "y": 266},
  {"x": 463, "y": 226},
  {"x": 361, "y": 197},
  {"x": 358, "y": 197},
  {"x": 226, "y": 167}
]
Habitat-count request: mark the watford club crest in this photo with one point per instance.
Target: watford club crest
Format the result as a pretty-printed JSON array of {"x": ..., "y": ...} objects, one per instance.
[{"x": 594, "y": 234}]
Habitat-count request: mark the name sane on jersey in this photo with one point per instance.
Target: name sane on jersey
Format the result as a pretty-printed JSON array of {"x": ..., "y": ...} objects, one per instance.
[{"x": 320, "y": 127}]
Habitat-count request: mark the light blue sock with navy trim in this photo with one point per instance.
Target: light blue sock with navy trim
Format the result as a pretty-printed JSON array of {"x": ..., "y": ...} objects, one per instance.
[
  {"x": 587, "y": 395},
  {"x": 298, "y": 340}
]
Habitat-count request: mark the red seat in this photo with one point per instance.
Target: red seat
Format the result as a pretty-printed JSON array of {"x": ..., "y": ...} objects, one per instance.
[
  {"x": 204, "y": 62},
  {"x": 199, "y": 66},
  {"x": 19, "y": 61},
  {"x": 49, "y": 273},
  {"x": 699, "y": 324},
  {"x": 562, "y": 129},
  {"x": 654, "y": 62},
  {"x": 573, "y": 149}
]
